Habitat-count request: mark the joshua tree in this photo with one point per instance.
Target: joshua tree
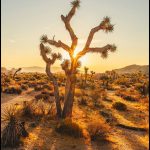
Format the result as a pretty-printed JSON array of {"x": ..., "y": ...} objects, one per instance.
[
  {"x": 71, "y": 66},
  {"x": 19, "y": 69},
  {"x": 85, "y": 74}
]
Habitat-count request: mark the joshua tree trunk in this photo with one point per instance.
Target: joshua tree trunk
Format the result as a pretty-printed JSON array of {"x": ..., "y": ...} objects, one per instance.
[
  {"x": 69, "y": 96},
  {"x": 56, "y": 90}
]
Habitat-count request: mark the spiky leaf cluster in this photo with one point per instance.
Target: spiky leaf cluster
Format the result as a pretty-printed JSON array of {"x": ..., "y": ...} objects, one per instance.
[
  {"x": 47, "y": 50},
  {"x": 104, "y": 54},
  {"x": 65, "y": 64},
  {"x": 44, "y": 39},
  {"x": 75, "y": 3},
  {"x": 56, "y": 56},
  {"x": 9, "y": 114},
  {"x": 106, "y": 25},
  {"x": 113, "y": 48}
]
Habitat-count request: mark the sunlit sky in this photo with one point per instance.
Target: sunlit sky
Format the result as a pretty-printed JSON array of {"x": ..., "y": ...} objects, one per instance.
[{"x": 24, "y": 21}]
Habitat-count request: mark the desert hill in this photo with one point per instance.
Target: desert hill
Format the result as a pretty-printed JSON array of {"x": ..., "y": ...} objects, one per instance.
[{"x": 133, "y": 68}]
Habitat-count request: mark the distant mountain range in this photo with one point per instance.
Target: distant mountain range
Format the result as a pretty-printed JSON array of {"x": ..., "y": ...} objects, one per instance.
[
  {"x": 32, "y": 69},
  {"x": 133, "y": 68},
  {"x": 40, "y": 69},
  {"x": 128, "y": 69}
]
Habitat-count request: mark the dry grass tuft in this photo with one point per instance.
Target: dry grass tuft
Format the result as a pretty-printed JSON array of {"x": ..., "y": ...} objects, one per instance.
[
  {"x": 69, "y": 127},
  {"x": 98, "y": 131}
]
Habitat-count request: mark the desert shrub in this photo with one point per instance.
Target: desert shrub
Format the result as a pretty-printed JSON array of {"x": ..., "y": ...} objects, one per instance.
[
  {"x": 40, "y": 108},
  {"x": 32, "y": 84},
  {"x": 123, "y": 81},
  {"x": 127, "y": 96},
  {"x": 28, "y": 109},
  {"x": 46, "y": 86},
  {"x": 24, "y": 87},
  {"x": 95, "y": 98},
  {"x": 51, "y": 111},
  {"x": 120, "y": 106},
  {"x": 44, "y": 96},
  {"x": 38, "y": 88},
  {"x": 130, "y": 98},
  {"x": 98, "y": 130},
  {"x": 13, "y": 90},
  {"x": 14, "y": 128},
  {"x": 83, "y": 101},
  {"x": 142, "y": 88},
  {"x": 69, "y": 127},
  {"x": 95, "y": 95},
  {"x": 37, "y": 109}
]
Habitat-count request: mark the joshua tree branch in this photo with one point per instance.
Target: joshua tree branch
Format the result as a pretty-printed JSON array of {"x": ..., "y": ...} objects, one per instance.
[
  {"x": 106, "y": 26},
  {"x": 66, "y": 21},
  {"x": 43, "y": 54},
  {"x": 90, "y": 37},
  {"x": 59, "y": 44},
  {"x": 108, "y": 47},
  {"x": 101, "y": 50}
]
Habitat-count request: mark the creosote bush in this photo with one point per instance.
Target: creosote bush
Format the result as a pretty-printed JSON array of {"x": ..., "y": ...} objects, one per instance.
[
  {"x": 120, "y": 106},
  {"x": 70, "y": 128}
]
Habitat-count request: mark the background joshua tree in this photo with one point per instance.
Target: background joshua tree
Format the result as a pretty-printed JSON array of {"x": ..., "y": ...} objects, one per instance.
[
  {"x": 71, "y": 66},
  {"x": 92, "y": 73},
  {"x": 85, "y": 74},
  {"x": 19, "y": 69}
]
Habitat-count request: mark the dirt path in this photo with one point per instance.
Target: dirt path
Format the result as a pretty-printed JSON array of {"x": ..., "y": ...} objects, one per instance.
[{"x": 8, "y": 99}]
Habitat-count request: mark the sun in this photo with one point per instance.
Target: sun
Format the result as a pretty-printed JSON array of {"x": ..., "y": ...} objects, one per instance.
[
  {"x": 82, "y": 59},
  {"x": 78, "y": 49}
]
